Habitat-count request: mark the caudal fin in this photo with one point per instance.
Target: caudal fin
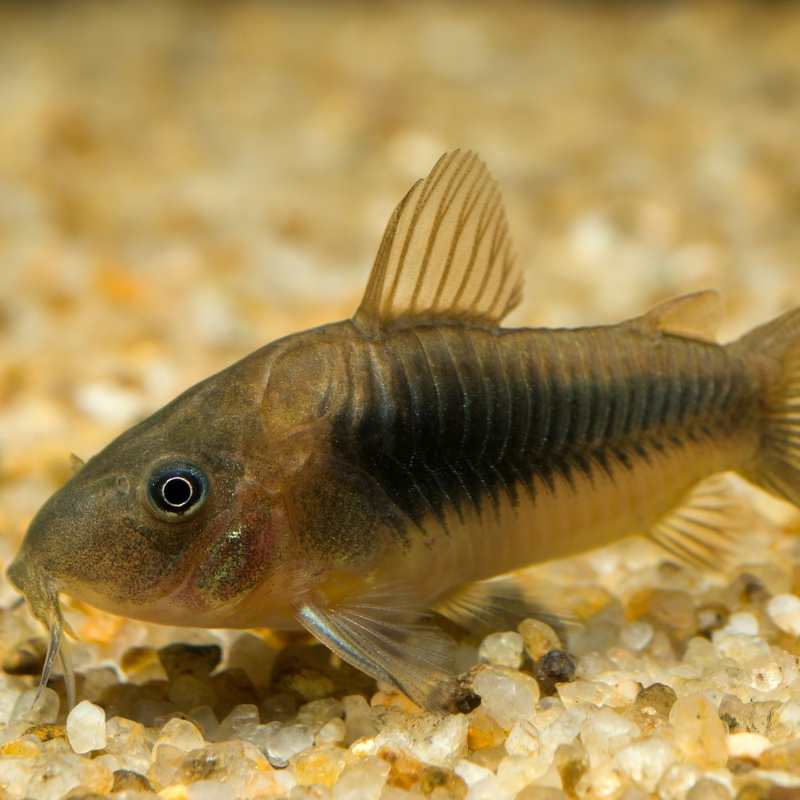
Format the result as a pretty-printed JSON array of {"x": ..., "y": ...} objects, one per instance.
[{"x": 777, "y": 346}]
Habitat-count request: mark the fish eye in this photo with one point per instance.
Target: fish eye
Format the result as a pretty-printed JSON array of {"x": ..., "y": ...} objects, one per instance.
[{"x": 177, "y": 490}]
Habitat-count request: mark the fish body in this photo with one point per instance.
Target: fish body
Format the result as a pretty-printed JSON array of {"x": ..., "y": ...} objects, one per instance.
[{"x": 352, "y": 478}]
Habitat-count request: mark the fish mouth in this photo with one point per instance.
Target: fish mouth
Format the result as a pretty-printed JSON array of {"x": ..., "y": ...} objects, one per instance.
[{"x": 41, "y": 593}]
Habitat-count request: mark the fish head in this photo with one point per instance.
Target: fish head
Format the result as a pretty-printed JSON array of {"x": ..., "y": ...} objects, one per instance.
[{"x": 173, "y": 522}]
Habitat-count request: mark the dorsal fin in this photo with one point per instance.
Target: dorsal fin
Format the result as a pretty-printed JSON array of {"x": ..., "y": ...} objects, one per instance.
[
  {"x": 446, "y": 255},
  {"x": 690, "y": 316}
]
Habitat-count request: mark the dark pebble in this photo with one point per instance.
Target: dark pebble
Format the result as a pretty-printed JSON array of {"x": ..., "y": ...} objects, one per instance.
[
  {"x": 125, "y": 780},
  {"x": 127, "y": 699},
  {"x": 659, "y": 697},
  {"x": 739, "y": 766},
  {"x": 555, "y": 666},
  {"x": 745, "y": 590},
  {"x": 137, "y": 658},
  {"x": 26, "y": 658},
  {"x": 293, "y": 658},
  {"x": 198, "y": 660},
  {"x": 233, "y": 688},
  {"x": 432, "y": 778},
  {"x": 462, "y": 696}
]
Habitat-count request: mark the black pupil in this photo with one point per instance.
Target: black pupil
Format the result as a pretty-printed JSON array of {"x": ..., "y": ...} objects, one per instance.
[{"x": 177, "y": 491}]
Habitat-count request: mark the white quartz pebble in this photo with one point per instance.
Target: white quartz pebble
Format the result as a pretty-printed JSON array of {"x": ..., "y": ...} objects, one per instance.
[
  {"x": 239, "y": 720},
  {"x": 503, "y": 649},
  {"x": 743, "y": 623},
  {"x": 288, "y": 742},
  {"x": 747, "y": 745},
  {"x": 56, "y": 777},
  {"x": 646, "y": 760},
  {"x": 357, "y": 718},
  {"x": 318, "y": 713},
  {"x": 636, "y": 635},
  {"x": 204, "y": 717},
  {"x": 36, "y": 712},
  {"x": 514, "y": 773},
  {"x": 740, "y": 647},
  {"x": 488, "y": 789},
  {"x": 332, "y": 732},
  {"x": 209, "y": 790},
  {"x": 179, "y": 733},
  {"x": 785, "y": 721},
  {"x": 86, "y": 727},
  {"x": 698, "y": 731},
  {"x": 605, "y": 734},
  {"x": 471, "y": 773},
  {"x": 362, "y": 780},
  {"x": 440, "y": 742},
  {"x": 523, "y": 740},
  {"x": 784, "y": 611},
  {"x": 677, "y": 781},
  {"x": 446, "y": 743},
  {"x": 506, "y": 695}
]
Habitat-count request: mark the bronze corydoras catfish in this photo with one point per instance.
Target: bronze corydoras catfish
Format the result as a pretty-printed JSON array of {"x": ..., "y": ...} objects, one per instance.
[{"x": 352, "y": 478}]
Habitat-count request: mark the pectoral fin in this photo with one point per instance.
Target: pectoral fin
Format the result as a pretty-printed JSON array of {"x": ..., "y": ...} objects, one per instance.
[{"x": 388, "y": 636}]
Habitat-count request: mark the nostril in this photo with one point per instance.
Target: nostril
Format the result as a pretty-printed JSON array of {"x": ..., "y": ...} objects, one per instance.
[{"x": 122, "y": 484}]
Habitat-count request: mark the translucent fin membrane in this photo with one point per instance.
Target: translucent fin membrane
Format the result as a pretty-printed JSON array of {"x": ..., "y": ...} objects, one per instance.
[
  {"x": 776, "y": 347},
  {"x": 690, "y": 316},
  {"x": 705, "y": 529},
  {"x": 500, "y": 604},
  {"x": 389, "y": 636},
  {"x": 446, "y": 255}
]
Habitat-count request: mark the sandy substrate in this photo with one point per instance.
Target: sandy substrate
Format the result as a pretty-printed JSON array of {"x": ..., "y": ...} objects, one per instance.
[{"x": 181, "y": 183}]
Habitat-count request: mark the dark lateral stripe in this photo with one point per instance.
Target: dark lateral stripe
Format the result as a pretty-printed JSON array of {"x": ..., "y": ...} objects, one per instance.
[
  {"x": 521, "y": 392},
  {"x": 599, "y": 377},
  {"x": 536, "y": 376},
  {"x": 457, "y": 418}
]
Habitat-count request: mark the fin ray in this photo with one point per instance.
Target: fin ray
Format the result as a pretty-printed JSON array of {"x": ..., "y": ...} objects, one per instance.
[
  {"x": 76, "y": 463},
  {"x": 704, "y": 530},
  {"x": 500, "y": 604},
  {"x": 446, "y": 255},
  {"x": 387, "y": 635},
  {"x": 777, "y": 347}
]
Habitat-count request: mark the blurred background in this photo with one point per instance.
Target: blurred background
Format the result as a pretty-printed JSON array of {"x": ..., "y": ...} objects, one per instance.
[{"x": 182, "y": 182}]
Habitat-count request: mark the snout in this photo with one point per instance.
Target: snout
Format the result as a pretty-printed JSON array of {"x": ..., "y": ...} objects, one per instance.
[{"x": 56, "y": 538}]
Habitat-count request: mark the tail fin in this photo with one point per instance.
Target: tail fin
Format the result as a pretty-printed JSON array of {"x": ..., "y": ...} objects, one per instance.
[{"x": 777, "y": 468}]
